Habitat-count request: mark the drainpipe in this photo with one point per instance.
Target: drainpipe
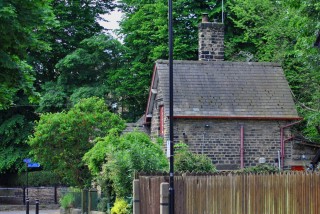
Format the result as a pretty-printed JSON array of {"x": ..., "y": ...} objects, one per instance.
[
  {"x": 282, "y": 141},
  {"x": 241, "y": 147}
]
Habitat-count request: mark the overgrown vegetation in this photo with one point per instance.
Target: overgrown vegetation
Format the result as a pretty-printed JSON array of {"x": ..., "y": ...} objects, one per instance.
[
  {"x": 186, "y": 161},
  {"x": 120, "y": 207},
  {"x": 261, "y": 168},
  {"x": 61, "y": 139},
  {"x": 114, "y": 160}
]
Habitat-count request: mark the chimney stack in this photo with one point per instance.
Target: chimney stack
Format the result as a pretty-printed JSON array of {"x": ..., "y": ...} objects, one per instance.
[{"x": 211, "y": 40}]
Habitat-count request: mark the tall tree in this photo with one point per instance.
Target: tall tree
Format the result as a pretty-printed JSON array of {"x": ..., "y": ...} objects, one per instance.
[
  {"x": 20, "y": 24},
  {"x": 61, "y": 139},
  {"x": 78, "y": 20},
  {"x": 84, "y": 73},
  {"x": 284, "y": 32}
]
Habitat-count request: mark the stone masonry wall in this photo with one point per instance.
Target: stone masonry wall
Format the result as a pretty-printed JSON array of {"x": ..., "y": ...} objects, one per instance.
[
  {"x": 220, "y": 140},
  {"x": 211, "y": 41}
]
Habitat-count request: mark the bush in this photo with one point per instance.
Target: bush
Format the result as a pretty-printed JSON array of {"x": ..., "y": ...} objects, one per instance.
[
  {"x": 262, "y": 168},
  {"x": 120, "y": 207},
  {"x": 186, "y": 161},
  {"x": 67, "y": 200},
  {"x": 103, "y": 204},
  {"x": 71, "y": 198},
  {"x": 124, "y": 155}
]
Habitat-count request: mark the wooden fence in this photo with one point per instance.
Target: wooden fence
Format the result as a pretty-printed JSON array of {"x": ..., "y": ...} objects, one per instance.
[{"x": 283, "y": 193}]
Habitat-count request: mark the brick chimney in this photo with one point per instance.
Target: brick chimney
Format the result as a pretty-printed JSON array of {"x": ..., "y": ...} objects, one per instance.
[{"x": 211, "y": 39}]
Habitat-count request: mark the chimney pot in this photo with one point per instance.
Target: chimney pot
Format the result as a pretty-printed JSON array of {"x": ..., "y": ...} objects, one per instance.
[{"x": 205, "y": 17}]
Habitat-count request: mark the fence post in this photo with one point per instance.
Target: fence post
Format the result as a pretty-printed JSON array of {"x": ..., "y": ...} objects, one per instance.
[
  {"x": 136, "y": 196},
  {"x": 164, "y": 198},
  {"x": 24, "y": 195},
  {"x": 27, "y": 206},
  {"x": 37, "y": 206},
  {"x": 55, "y": 195},
  {"x": 84, "y": 201},
  {"x": 93, "y": 198}
]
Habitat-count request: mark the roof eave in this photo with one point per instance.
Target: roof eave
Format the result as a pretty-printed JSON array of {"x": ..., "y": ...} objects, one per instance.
[
  {"x": 151, "y": 96},
  {"x": 237, "y": 117}
]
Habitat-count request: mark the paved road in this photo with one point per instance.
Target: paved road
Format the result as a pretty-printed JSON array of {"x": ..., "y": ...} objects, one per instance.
[{"x": 31, "y": 212}]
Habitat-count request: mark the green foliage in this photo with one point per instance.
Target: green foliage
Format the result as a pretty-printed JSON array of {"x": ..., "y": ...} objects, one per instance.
[
  {"x": 96, "y": 156},
  {"x": 85, "y": 72},
  {"x": 92, "y": 61},
  {"x": 120, "y": 207},
  {"x": 20, "y": 23},
  {"x": 67, "y": 200},
  {"x": 53, "y": 98},
  {"x": 16, "y": 124},
  {"x": 145, "y": 32},
  {"x": 61, "y": 139},
  {"x": 37, "y": 179},
  {"x": 121, "y": 157},
  {"x": 103, "y": 204},
  {"x": 284, "y": 32},
  {"x": 262, "y": 168},
  {"x": 186, "y": 161},
  {"x": 78, "y": 20}
]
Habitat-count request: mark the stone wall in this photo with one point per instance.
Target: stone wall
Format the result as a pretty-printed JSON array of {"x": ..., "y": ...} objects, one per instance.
[
  {"x": 220, "y": 140},
  {"x": 46, "y": 195},
  {"x": 211, "y": 41}
]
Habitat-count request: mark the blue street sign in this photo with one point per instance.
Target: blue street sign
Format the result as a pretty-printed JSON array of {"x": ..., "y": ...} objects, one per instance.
[
  {"x": 33, "y": 165},
  {"x": 27, "y": 160}
]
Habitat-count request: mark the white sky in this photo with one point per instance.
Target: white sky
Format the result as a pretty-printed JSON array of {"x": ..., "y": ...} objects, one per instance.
[{"x": 112, "y": 23}]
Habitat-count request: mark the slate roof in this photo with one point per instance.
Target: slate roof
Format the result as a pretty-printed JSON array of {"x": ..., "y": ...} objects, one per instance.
[{"x": 225, "y": 89}]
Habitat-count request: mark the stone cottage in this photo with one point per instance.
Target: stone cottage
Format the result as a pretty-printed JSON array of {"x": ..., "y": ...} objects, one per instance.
[{"x": 237, "y": 113}]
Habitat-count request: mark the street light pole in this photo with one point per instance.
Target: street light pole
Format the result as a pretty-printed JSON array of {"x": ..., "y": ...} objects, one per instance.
[{"x": 171, "y": 178}]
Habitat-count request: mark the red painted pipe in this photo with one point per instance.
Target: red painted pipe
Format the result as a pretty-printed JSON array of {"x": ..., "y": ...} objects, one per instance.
[
  {"x": 241, "y": 147},
  {"x": 282, "y": 141}
]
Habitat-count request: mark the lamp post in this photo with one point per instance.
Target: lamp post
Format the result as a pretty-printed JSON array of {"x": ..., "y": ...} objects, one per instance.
[{"x": 171, "y": 178}]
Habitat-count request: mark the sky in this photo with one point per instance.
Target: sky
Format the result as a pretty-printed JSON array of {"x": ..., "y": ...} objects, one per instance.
[{"x": 113, "y": 22}]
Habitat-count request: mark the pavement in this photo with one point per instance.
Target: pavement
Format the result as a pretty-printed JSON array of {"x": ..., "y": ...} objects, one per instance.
[{"x": 31, "y": 212}]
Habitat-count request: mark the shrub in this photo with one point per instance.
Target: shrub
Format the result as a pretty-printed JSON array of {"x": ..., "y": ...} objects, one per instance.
[
  {"x": 124, "y": 155},
  {"x": 67, "y": 200},
  {"x": 186, "y": 161},
  {"x": 61, "y": 139},
  {"x": 120, "y": 207},
  {"x": 103, "y": 204},
  {"x": 262, "y": 168}
]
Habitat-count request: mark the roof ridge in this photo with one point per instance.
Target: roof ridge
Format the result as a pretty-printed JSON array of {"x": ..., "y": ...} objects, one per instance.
[{"x": 274, "y": 64}]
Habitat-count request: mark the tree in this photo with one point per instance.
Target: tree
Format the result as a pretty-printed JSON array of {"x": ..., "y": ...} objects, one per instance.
[
  {"x": 78, "y": 20},
  {"x": 114, "y": 159},
  {"x": 61, "y": 139},
  {"x": 282, "y": 31},
  {"x": 20, "y": 24},
  {"x": 84, "y": 73},
  {"x": 145, "y": 32},
  {"x": 16, "y": 124}
]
